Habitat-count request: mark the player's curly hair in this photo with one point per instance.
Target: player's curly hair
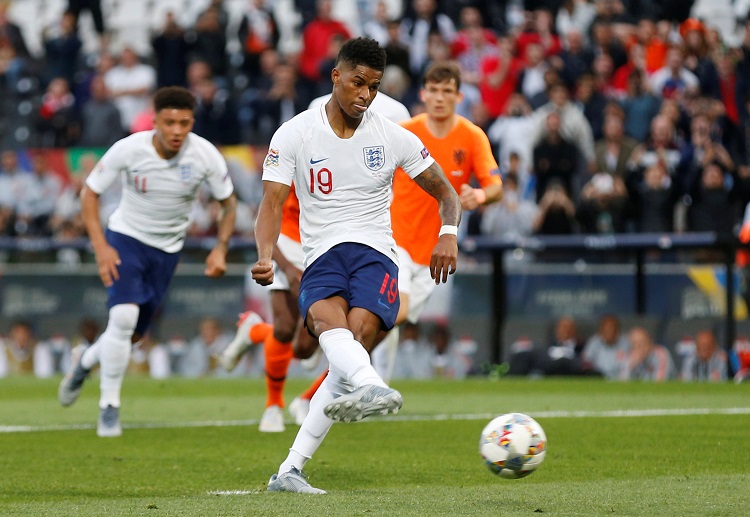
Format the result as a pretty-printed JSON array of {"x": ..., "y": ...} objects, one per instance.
[
  {"x": 362, "y": 51},
  {"x": 173, "y": 97}
]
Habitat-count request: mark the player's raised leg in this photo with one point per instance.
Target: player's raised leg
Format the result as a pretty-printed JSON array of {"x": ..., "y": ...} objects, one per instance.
[{"x": 251, "y": 330}]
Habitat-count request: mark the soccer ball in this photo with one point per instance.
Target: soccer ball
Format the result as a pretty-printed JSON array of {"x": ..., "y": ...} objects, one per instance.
[{"x": 513, "y": 445}]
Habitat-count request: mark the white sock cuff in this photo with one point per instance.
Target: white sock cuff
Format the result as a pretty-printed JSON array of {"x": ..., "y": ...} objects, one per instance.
[{"x": 333, "y": 335}]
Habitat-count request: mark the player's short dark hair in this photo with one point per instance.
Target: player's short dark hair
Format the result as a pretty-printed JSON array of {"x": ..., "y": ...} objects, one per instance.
[
  {"x": 442, "y": 71},
  {"x": 173, "y": 97},
  {"x": 362, "y": 51}
]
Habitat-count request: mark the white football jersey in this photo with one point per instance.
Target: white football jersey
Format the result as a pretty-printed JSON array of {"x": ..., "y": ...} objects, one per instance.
[
  {"x": 343, "y": 184},
  {"x": 158, "y": 194}
]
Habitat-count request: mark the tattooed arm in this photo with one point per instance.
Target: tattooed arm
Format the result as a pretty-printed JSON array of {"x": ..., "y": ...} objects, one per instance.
[{"x": 444, "y": 255}]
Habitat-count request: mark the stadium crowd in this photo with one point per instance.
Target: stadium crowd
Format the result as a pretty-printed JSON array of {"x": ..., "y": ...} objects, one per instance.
[{"x": 605, "y": 115}]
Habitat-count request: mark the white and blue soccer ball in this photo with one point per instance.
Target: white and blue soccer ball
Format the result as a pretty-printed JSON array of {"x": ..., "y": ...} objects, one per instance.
[{"x": 513, "y": 445}]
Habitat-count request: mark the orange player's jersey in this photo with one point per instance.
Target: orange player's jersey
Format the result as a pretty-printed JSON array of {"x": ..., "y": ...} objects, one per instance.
[
  {"x": 414, "y": 213},
  {"x": 290, "y": 216}
]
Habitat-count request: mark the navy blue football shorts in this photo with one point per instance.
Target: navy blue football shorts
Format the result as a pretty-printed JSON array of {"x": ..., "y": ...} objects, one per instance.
[
  {"x": 145, "y": 273},
  {"x": 359, "y": 274}
]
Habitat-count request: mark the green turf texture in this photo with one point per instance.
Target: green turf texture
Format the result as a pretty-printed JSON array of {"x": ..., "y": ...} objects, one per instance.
[{"x": 647, "y": 465}]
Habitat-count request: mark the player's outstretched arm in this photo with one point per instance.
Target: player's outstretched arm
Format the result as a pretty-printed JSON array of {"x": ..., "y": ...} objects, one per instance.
[
  {"x": 445, "y": 253},
  {"x": 216, "y": 262},
  {"x": 107, "y": 258},
  {"x": 267, "y": 229}
]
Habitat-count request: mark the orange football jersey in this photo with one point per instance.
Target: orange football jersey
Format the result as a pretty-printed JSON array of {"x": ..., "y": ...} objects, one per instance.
[{"x": 414, "y": 213}]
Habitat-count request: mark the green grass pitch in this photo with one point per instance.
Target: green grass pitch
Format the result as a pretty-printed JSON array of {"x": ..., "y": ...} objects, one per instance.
[{"x": 191, "y": 447}]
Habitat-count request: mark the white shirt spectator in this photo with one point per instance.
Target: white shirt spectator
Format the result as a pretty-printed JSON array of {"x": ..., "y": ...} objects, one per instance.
[{"x": 130, "y": 84}]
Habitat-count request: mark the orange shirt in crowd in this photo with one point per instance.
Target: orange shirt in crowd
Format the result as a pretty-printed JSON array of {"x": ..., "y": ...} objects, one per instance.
[
  {"x": 414, "y": 213},
  {"x": 290, "y": 216}
]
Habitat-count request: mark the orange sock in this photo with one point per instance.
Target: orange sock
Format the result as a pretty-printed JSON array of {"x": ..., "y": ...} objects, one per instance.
[
  {"x": 259, "y": 332},
  {"x": 278, "y": 355},
  {"x": 314, "y": 386}
]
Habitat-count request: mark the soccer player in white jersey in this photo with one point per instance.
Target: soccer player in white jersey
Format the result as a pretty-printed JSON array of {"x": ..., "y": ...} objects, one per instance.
[
  {"x": 161, "y": 171},
  {"x": 287, "y": 329},
  {"x": 341, "y": 158}
]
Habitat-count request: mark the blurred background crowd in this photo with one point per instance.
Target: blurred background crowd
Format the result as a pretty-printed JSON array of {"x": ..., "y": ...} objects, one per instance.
[{"x": 605, "y": 115}]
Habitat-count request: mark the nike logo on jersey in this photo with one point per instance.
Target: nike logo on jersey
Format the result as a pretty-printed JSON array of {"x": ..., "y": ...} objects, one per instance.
[
  {"x": 313, "y": 162},
  {"x": 381, "y": 302}
]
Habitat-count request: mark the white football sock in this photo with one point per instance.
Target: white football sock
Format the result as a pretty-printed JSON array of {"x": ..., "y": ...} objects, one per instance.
[
  {"x": 114, "y": 352},
  {"x": 348, "y": 358},
  {"x": 316, "y": 424},
  {"x": 90, "y": 357}
]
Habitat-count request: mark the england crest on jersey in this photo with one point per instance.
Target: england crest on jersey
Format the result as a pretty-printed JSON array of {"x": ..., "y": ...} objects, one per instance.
[
  {"x": 374, "y": 157},
  {"x": 186, "y": 172}
]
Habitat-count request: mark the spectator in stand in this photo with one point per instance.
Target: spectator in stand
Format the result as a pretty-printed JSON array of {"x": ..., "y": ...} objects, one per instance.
[
  {"x": 713, "y": 205},
  {"x": 551, "y": 77},
  {"x": 450, "y": 359},
  {"x": 57, "y": 122},
  {"x": 673, "y": 79},
  {"x": 554, "y": 158},
  {"x": 574, "y": 60},
  {"x": 37, "y": 204},
  {"x": 170, "y": 51},
  {"x": 574, "y": 16},
  {"x": 208, "y": 42},
  {"x": 272, "y": 108},
  {"x": 62, "y": 50},
  {"x": 21, "y": 354},
  {"x": 15, "y": 182},
  {"x": 662, "y": 146},
  {"x": 608, "y": 349},
  {"x": 473, "y": 43},
  {"x": 215, "y": 114},
  {"x": 531, "y": 78},
  {"x": 647, "y": 360},
  {"x": 11, "y": 33},
  {"x": 573, "y": 126},
  {"x": 130, "y": 84},
  {"x": 511, "y": 134},
  {"x": 640, "y": 106},
  {"x": 702, "y": 150},
  {"x": 376, "y": 26},
  {"x": 561, "y": 356},
  {"x": 396, "y": 52},
  {"x": 604, "y": 41},
  {"x": 257, "y": 32},
  {"x": 100, "y": 118},
  {"x": 708, "y": 362},
  {"x": 654, "y": 195},
  {"x": 592, "y": 102},
  {"x": 499, "y": 77},
  {"x": 95, "y": 10},
  {"x": 613, "y": 150},
  {"x": 539, "y": 30},
  {"x": 513, "y": 216},
  {"x": 602, "y": 208},
  {"x": 416, "y": 28},
  {"x": 192, "y": 358},
  {"x": 315, "y": 47},
  {"x": 654, "y": 46},
  {"x": 557, "y": 213},
  {"x": 697, "y": 58}
]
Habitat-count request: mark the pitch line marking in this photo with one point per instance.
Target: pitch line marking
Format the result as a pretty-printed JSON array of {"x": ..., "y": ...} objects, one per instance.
[{"x": 618, "y": 413}]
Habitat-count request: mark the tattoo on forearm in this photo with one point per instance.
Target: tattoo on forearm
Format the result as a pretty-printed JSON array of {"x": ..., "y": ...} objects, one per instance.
[{"x": 434, "y": 182}]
